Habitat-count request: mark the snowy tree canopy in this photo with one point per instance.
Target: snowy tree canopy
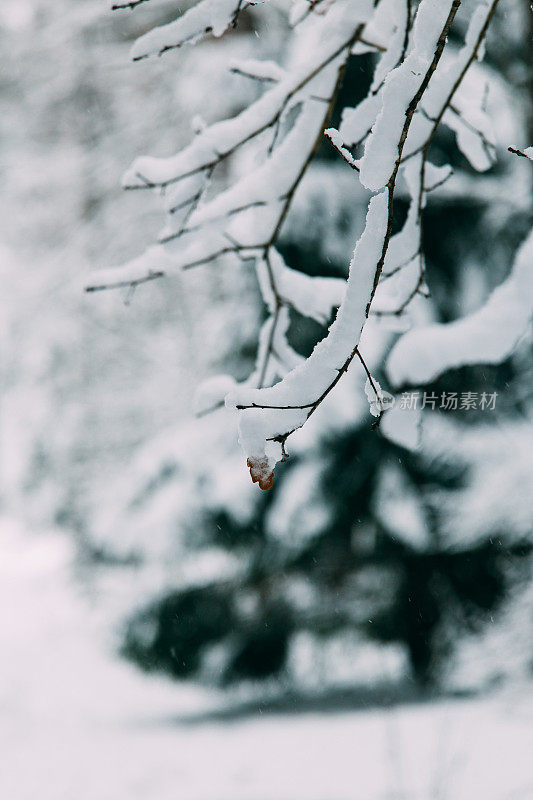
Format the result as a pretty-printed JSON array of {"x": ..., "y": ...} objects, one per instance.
[{"x": 214, "y": 211}]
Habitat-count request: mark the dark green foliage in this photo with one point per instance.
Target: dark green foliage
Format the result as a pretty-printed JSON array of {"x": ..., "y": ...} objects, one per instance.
[
  {"x": 170, "y": 634},
  {"x": 425, "y": 592},
  {"x": 263, "y": 646},
  {"x": 458, "y": 589},
  {"x": 173, "y": 633}
]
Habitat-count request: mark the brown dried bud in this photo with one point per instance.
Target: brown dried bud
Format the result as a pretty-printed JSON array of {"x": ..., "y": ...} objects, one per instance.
[{"x": 261, "y": 473}]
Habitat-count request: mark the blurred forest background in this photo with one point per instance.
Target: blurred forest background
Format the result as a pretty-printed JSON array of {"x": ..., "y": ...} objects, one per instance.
[{"x": 369, "y": 571}]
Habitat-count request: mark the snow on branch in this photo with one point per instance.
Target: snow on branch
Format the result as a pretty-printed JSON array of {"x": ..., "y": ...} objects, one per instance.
[
  {"x": 404, "y": 268},
  {"x": 418, "y": 84},
  {"x": 220, "y": 140},
  {"x": 487, "y": 336},
  {"x": 208, "y": 16},
  {"x": 127, "y": 5},
  {"x": 248, "y": 215},
  {"x": 403, "y": 90},
  {"x": 527, "y": 153},
  {"x": 269, "y": 416}
]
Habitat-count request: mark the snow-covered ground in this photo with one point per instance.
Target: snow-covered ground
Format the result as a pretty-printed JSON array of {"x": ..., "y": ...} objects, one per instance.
[{"x": 75, "y": 724}]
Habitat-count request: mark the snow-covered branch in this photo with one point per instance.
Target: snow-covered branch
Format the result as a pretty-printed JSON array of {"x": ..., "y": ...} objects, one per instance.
[
  {"x": 269, "y": 416},
  {"x": 527, "y": 153},
  {"x": 405, "y": 265},
  {"x": 207, "y": 17},
  {"x": 487, "y": 336},
  {"x": 245, "y": 219},
  {"x": 128, "y": 5},
  {"x": 417, "y": 86}
]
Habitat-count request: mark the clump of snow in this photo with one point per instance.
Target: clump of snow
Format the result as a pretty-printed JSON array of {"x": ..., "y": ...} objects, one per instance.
[
  {"x": 487, "y": 336},
  {"x": 400, "y": 88},
  {"x": 270, "y": 413},
  {"x": 207, "y": 16}
]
